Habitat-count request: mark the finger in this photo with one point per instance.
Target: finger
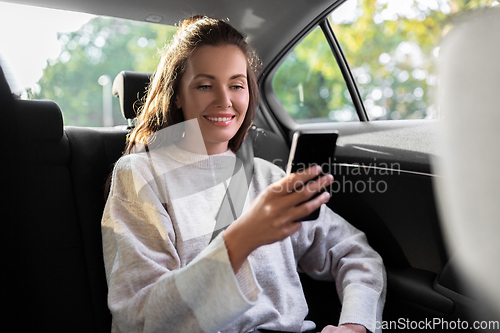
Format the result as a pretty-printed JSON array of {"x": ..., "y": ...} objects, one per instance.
[
  {"x": 320, "y": 183},
  {"x": 294, "y": 181},
  {"x": 310, "y": 206},
  {"x": 291, "y": 228},
  {"x": 308, "y": 190},
  {"x": 298, "y": 179},
  {"x": 308, "y": 174}
]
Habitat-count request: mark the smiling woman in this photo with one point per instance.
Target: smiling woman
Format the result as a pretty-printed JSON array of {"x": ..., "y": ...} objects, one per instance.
[
  {"x": 234, "y": 87},
  {"x": 176, "y": 260},
  {"x": 214, "y": 91},
  {"x": 165, "y": 250}
]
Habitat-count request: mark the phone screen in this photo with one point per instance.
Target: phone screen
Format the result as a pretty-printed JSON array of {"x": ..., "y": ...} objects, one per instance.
[{"x": 312, "y": 147}]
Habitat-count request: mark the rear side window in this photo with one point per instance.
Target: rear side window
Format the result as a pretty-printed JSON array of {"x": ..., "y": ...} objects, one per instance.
[
  {"x": 77, "y": 57},
  {"x": 310, "y": 85},
  {"x": 392, "y": 48}
]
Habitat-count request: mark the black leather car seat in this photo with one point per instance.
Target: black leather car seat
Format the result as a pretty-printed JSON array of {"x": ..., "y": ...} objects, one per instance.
[
  {"x": 53, "y": 199},
  {"x": 46, "y": 272}
]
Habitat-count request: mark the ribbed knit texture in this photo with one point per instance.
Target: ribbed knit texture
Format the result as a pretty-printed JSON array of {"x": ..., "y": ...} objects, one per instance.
[{"x": 164, "y": 275}]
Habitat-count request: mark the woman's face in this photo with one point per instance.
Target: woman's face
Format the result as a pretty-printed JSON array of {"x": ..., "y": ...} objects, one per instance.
[{"x": 214, "y": 90}]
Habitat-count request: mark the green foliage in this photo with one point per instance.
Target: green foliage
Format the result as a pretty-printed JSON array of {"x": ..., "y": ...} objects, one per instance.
[
  {"x": 103, "y": 46},
  {"x": 391, "y": 47},
  {"x": 391, "y": 54},
  {"x": 310, "y": 84}
]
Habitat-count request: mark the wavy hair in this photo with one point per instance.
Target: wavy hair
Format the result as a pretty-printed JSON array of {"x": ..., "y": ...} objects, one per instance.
[{"x": 159, "y": 109}]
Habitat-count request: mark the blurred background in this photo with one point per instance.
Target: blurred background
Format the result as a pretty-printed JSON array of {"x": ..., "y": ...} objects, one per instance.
[{"x": 390, "y": 45}]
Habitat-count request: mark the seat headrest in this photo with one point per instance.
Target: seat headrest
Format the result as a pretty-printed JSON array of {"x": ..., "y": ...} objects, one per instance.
[
  {"x": 7, "y": 109},
  {"x": 39, "y": 120},
  {"x": 130, "y": 87},
  {"x": 5, "y": 92},
  {"x": 30, "y": 120}
]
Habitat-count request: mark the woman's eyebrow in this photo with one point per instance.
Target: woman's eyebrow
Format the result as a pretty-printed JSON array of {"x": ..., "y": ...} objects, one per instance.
[
  {"x": 238, "y": 76},
  {"x": 205, "y": 75},
  {"x": 211, "y": 77}
]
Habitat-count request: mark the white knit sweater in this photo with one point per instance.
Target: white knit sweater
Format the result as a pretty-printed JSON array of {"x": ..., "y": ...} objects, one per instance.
[{"x": 164, "y": 274}]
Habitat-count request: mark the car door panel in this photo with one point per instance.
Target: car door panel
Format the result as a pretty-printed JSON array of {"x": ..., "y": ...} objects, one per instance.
[{"x": 398, "y": 213}]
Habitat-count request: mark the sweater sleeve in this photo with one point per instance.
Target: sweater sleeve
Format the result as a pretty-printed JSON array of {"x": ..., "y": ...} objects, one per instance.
[
  {"x": 331, "y": 248},
  {"x": 149, "y": 288}
]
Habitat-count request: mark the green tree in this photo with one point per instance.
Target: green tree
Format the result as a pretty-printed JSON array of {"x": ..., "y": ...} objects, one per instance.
[
  {"x": 391, "y": 51},
  {"x": 309, "y": 83},
  {"x": 391, "y": 48},
  {"x": 103, "y": 46}
]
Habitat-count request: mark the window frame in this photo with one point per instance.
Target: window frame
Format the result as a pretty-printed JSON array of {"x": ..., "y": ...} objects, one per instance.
[
  {"x": 357, "y": 100},
  {"x": 269, "y": 100}
]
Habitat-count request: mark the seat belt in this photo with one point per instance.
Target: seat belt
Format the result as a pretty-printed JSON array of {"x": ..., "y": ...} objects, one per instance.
[{"x": 237, "y": 191}]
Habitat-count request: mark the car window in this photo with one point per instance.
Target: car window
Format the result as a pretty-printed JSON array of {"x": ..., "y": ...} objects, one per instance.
[
  {"x": 73, "y": 58},
  {"x": 392, "y": 47},
  {"x": 310, "y": 85}
]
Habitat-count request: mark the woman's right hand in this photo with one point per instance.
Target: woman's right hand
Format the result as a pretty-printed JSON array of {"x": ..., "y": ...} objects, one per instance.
[{"x": 273, "y": 214}]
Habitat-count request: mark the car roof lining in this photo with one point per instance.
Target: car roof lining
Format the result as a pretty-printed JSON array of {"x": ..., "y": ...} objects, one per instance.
[{"x": 270, "y": 25}]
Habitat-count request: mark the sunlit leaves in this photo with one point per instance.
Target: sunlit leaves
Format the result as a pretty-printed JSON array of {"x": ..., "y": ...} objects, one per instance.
[
  {"x": 103, "y": 46},
  {"x": 391, "y": 47},
  {"x": 310, "y": 84}
]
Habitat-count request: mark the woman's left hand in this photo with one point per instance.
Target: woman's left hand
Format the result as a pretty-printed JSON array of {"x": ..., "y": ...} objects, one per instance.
[{"x": 346, "y": 328}]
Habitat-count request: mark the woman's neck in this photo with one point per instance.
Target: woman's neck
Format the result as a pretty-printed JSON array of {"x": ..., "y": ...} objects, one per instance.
[{"x": 202, "y": 148}]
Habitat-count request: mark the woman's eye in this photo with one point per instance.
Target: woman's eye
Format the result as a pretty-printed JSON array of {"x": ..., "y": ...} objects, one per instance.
[
  {"x": 204, "y": 87},
  {"x": 237, "y": 87}
]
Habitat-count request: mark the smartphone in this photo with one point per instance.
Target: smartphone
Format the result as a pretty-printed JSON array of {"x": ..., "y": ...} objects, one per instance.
[{"x": 311, "y": 147}]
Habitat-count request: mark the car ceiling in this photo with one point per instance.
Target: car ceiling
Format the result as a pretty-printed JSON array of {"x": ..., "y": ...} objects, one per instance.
[{"x": 270, "y": 24}]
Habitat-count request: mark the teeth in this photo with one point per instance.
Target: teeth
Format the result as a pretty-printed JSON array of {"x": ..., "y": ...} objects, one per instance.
[{"x": 219, "y": 118}]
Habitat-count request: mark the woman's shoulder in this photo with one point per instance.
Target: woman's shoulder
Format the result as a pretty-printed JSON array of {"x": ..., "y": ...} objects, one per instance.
[
  {"x": 130, "y": 163},
  {"x": 142, "y": 161},
  {"x": 269, "y": 171},
  {"x": 132, "y": 169},
  {"x": 267, "y": 165},
  {"x": 134, "y": 180}
]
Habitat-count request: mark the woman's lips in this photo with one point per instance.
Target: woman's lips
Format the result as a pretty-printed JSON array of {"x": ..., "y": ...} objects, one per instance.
[{"x": 220, "y": 119}]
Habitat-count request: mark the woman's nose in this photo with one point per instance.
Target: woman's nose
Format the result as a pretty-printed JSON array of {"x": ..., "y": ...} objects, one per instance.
[{"x": 222, "y": 99}]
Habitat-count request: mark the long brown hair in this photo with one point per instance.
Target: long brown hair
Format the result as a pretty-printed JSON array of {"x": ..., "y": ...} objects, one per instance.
[{"x": 159, "y": 109}]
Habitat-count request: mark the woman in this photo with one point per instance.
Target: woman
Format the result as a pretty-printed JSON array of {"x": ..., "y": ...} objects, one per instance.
[{"x": 165, "y": 273}]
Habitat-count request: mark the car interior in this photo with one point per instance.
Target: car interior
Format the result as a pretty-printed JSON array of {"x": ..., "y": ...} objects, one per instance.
[
  {"x": 54, "y": 178},
  {"x": 469, "y": 140}
]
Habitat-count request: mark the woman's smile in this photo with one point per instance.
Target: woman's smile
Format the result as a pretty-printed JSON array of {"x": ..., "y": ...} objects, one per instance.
[
  {"x": 222, "y": 119},
  {"x": 214, "y": 90}
]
